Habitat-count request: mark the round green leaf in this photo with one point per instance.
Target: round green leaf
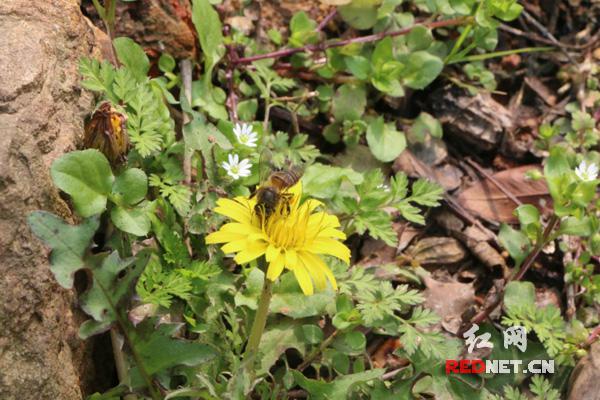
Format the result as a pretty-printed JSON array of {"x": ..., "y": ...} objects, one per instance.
[
  {"x": 130, "y": 187},
  {"x": 385, "y": 142},
  {"x": 312, "y": 334},
  {"x": 349, "y": 102},
  {"x": 358, "y": 16},
  {"x": 419, "y": 38},
  {"x": 422, "y": 69},
  {"x": 87, "y": 177},
  {"x": 134, "y": 221},
  {"x": 341, "y": 363}
]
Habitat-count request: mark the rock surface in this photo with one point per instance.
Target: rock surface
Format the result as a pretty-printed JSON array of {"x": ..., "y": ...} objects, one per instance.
[
  {"x": 585, "y": 379},
  {"x": 41, "y": 116}
]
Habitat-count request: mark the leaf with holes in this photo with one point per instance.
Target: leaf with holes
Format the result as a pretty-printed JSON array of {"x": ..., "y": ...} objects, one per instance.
[
  {"x": 112, "y": 280},
  {"x": 68, "y": 243}
]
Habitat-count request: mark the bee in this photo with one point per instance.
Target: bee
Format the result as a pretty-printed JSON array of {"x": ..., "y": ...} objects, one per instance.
[
  {"x": 106, "y": 131},
  {"x": 272, "y": 193}
]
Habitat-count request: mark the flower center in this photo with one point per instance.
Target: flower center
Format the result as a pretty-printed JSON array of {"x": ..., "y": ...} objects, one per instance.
[{"x": 285, "y": 227}]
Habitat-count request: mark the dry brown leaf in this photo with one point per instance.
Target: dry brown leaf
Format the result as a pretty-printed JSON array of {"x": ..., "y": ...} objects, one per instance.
[
  {"x": 449, "y": 300},
  {"x": 437, "y": 251},
  {"x": 487, "y": 201}
]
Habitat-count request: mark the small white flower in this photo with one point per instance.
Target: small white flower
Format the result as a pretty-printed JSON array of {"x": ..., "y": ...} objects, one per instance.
[
  {"x": 383, "y": 187},
  {"x": 245, "y": 134},
  {"x": 586, "y": 172},
  {"x": 236, "y": 168}
]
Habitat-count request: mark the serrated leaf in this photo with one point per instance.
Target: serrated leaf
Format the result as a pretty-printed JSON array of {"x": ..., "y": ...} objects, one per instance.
[
  {"x": 426, "y": 193},
  {"x": 68, "y": 243},
  {"x": 336, "y": 389},
  {"x": 86, "y": 176}
]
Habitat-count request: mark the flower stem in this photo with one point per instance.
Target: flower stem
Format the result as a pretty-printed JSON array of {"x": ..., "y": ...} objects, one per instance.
[{"x": 258, "y": 327}]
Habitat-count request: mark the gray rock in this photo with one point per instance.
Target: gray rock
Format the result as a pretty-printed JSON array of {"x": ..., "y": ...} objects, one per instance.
[{"x": 42, "y": 109}]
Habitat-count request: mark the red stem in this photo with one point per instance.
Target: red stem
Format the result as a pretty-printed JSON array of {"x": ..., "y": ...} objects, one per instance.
[{"x": 361, "y": 39}]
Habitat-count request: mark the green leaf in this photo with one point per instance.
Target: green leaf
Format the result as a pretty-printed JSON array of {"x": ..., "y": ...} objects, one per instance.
[
  {"x": 112, "y": 281},
  {"x": 247, "y": 109},
  {"x": 276, "y": 340},
  {"x": 87, "y": 177},
  {"x": 134, "y": 221},
  {"x": 576, "y": 226},
  {"x": 132, "y": 56},
  {"x": 519, "y": 294},
  {"x": 515, "y": 242},
  {"x": 312, "y": 334},
  {"x": 130, "y": 187},
  {"x": 422, "y": 69},
  {"x": 386, "y": 143},
  {"x": 68, "y": 243},
  {"x": 324, "y": 181},
  {"x": 419, "y": 38},
  {"x": 337, "y": 389},
  {"x": 426, "y": 193},
  {"x": 349, "y": 102},
  {"x": 289, "y": 300},
  {"x": 159, "y": 351},
  {"x": 529, "y": 217},
  {"x": 425, "y": 124},
  {"x": 359, "y": 16},
  {"x": 557, "y": 171},
  {"x": 166, "y": 62},
  {"x": 209, "y": 29},
  {"x": 359, "y": 66}
]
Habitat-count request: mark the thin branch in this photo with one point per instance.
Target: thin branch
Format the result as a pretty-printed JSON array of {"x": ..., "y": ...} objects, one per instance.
[
  {"x": 326, "y": 20},
  {"x": 315, "y": 353},
  {"x": 527, "y": 263},
  {"x": 495, "y": 181},
  {"x": 361, "y": 39}
]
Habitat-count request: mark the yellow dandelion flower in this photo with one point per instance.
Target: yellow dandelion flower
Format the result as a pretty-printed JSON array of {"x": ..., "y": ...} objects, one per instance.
[{"x": 292, "y": 237}]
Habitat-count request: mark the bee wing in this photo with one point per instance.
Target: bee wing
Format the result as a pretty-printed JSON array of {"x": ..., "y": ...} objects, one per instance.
[{"x": 265, "y": 165}]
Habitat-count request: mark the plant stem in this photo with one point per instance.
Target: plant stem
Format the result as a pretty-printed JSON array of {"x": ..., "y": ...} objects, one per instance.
[
  {"x": 527, "y": 263},
  {"x": 185, "y": 67},
  {"x": 120, "y": 362},
  {"x": 361, "y": 39},
  {"x": 258, "y": 327},
  {"x": 311, "y": 357},
  {"x": 125, "y": 325}
]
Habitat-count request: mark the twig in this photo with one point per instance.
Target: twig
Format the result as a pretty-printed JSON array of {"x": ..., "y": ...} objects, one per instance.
[
  {"x": 326, "y": 20},
  {"x": 361, "y": 39},
  {"x": 186, "y": 77},
  {"x": 549, "y": 35},
  {"x": 495, "y": 181},
  {"x": 593, "y": 336},
  {"x": 527, "y": 263},
  {"x": 231, "y": 102},
  {"x": 391, "y": 374}
]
